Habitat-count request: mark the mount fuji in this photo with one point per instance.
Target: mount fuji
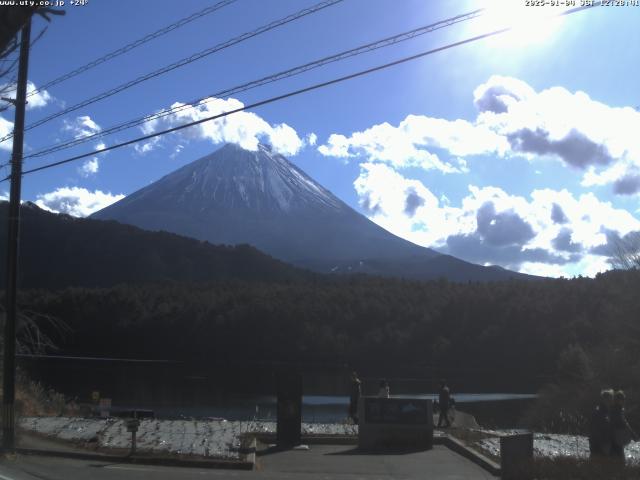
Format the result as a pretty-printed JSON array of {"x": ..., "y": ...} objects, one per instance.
[{"x": 236, "y": 196}]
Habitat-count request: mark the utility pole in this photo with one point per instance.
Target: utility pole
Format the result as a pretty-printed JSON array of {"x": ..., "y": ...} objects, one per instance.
[{"x": 9, "y": 366}]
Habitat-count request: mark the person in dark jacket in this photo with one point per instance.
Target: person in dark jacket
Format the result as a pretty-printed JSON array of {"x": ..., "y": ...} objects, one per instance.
[
  {"x": 384, "y": 391},
  {"x": 621, "y": 431},
  {"x": 444, "y": 402},
  {"x": 600, "y": 427},
  {"x": 354, "y": 396}
]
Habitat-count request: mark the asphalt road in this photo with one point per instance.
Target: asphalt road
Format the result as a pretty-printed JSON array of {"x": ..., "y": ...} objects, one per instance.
[{"x": 320, "y": 462}]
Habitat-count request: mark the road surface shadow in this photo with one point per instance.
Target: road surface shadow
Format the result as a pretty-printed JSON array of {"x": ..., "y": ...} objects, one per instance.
[{"x": 380, "y": 451}]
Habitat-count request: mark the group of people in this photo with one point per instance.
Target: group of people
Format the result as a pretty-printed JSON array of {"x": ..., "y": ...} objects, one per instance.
[
  {"x": 610, "y": 431},
  {"x": 609, "y": 434},
  {"x": 445, "y": 401}
]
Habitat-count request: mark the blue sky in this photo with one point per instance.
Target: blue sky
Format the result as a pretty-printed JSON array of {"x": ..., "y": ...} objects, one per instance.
[{"x": 518, "y": 150}]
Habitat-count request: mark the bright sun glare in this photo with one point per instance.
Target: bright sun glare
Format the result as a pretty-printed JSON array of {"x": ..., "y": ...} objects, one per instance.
[{"x": 530, "y": 25}]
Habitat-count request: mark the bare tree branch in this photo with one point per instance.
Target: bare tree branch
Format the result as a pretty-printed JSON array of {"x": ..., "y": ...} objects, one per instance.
[
  {"x": 625, "y": 252},
  {"x": 30, "y": 336}
]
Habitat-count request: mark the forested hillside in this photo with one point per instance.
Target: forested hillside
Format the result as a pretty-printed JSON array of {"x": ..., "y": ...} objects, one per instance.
[
  {"x": 518, "y": 329},
  {"x": 57, "y": 251}
]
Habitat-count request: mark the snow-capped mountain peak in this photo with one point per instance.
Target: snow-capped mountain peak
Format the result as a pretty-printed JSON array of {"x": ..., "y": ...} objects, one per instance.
[
  {"x": 236, "y": 196},
  {"x": 233, "y": 178}
]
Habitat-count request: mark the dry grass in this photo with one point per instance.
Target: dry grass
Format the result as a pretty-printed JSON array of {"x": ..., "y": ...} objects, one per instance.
[{"x": 33, "y": 399}]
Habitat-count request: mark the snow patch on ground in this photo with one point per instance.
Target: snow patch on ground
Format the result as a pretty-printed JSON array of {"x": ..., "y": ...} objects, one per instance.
[
  {"x": 77, "y": 429},
  {"x": 554, "y": 445},
  {"x": 207, "y": 438},
  {"x": 222, "y": 439},
  {"x": 546, "y": 445}
]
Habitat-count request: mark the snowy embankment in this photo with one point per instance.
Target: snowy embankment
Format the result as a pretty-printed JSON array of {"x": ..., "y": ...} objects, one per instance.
[
  {"x": 222, "y": 439},
  {"x": 552, "y": 445},
  {"x": 213, "y": 438}
]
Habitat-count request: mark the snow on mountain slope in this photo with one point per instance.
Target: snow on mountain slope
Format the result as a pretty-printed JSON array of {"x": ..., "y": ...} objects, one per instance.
[{"x": 236, "y": 196}]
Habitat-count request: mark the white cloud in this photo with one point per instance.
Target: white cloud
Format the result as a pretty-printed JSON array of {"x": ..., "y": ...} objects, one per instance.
[
  {"x": 285, "y": 140},
  {"x": 76, "y": 201},
  {"x": 6, "y": 127},
  {"x": 407, "y": 144},
  {"x": 312, "y": 139},
  {"x": 82, "y": 126},
  {"x": 552, "y": 232},
  {"x": 176, "y": 151},
  {"x": 588, "y": 266},
  {"x": 499, "y": 93},
  {"x": 383, "y": 194},
  {"x": 555, "y": 122},
  {"x": 150, "y": 126},
  {"x": 597, "y": 140},
  {"x": 337, "y": 146},
  {"x": 89, "y": 167},
  {"x": 146, "y": 147},
  {"x": 543, "y": 269},
  {"x": 243, "y": 128},
  {"x": 38, "y": 100}
]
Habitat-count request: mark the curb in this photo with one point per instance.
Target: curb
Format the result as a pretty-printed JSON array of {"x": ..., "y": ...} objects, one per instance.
[
  {"x": 460, "y": 448},
  {"x": 247, "y": 464},
  {"x": 270, "y": 438}
]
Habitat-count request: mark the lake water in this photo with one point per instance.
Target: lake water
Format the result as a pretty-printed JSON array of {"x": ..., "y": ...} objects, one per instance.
[
  {"x": 187, "y": 391},
  {"x": 321, "y": 408}
]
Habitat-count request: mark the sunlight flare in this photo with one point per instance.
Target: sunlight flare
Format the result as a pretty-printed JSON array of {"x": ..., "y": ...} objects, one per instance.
[{"x": 529, "y": 25}]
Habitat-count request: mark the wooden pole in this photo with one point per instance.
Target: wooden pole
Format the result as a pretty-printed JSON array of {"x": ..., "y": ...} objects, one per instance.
[{"x": 9, "y": 365}]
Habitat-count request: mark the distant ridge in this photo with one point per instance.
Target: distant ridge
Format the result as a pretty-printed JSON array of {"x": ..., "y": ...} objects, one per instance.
[{"x": 58, "y": 251}]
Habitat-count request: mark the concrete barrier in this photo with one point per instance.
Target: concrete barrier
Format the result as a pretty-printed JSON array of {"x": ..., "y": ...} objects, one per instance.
[
  {"x": 395, "y": 423},
  {"x": 516, "y": 455}
]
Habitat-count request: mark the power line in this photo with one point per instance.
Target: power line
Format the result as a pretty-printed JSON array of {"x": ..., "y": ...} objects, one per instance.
[
  {"x": 291, "y": 94},
  {"x": 132, "y": 45},
  {"x": 95, "y": 359},
  {"x": 10, "y": 68},
  {"x": 385, "y": 42},
  {"x": 11, "y": 85},
  {"x": 185, "y": 61}
]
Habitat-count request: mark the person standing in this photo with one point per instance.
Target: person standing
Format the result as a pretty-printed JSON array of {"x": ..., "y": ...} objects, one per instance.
[
  {"x": 444, "y": 402},
  {"x": 600, "y": 428},
  {"x": 383, "y": 392},
  {"x": 621, "y": 431},
  {"x": 354, "y": 397}
]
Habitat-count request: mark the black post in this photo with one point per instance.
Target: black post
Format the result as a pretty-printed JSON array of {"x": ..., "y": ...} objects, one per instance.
[
  {"x": 289, "y": 421},
  {"x": 9, "y": 366},
  {"x": 133, "y": 442}
]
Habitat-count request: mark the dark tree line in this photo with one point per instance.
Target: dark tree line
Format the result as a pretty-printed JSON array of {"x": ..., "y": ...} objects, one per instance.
[{"x": 514, "y": 330}]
